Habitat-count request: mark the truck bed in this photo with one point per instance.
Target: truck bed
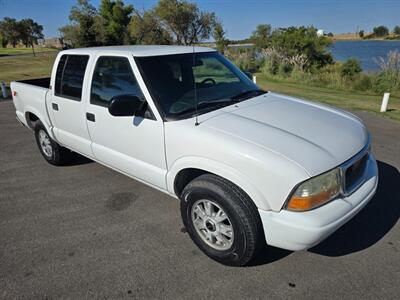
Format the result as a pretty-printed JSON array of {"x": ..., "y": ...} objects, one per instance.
[
  {"x": 42, "y": 82},
  {"x": 30, "y": 96}
]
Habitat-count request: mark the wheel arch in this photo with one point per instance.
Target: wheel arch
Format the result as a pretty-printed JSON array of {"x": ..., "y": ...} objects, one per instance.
[
  {"x": 32, "y": 116},
  {"x": 186, "y": 169},
  {"x": 31, "y": 119}
]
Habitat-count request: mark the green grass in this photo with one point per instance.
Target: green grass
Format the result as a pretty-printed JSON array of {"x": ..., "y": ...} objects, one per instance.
[
  {"x": 350, "y": 100},
  {"x": 13, "y": 51},
  {"x": 26, "y": 67}
]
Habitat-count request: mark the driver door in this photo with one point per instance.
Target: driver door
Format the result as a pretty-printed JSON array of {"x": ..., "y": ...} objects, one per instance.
[{"x": 133, "y": 145}]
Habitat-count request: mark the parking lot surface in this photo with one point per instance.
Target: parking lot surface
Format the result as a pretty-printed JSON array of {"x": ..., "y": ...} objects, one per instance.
[{"x": 85, "y": 231}]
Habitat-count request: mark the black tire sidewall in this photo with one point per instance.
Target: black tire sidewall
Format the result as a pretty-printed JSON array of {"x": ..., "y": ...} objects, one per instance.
[
  {"x": 233, "y": 255},
  {"x": 54, "y": 159}
]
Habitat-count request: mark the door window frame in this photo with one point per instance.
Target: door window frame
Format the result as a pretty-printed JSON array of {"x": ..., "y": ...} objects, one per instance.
[
  {"x": 61, "y": 95},
  {"x": 103, "y": 103},
  {"x": 142, "y": 86}
]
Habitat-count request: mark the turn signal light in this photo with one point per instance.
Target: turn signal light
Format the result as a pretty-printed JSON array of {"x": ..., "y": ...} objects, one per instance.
[{"x": 315, "y": 191}]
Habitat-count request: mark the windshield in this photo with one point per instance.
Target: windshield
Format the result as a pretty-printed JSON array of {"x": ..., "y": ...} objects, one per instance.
[{"x": 175, "y": 81}]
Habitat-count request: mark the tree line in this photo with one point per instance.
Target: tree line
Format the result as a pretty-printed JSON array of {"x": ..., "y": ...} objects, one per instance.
[
  {"x": 115, "y": 23},
  {"x": 381, "y": 32},
  {"x": 25, "y": 31}
]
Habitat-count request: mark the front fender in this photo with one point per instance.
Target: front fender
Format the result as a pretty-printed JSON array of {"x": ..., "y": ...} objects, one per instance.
[{"x": 221, "y": 170}]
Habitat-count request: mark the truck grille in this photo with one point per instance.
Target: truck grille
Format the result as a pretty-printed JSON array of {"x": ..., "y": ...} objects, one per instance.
[{"x": 354, "y": 174}]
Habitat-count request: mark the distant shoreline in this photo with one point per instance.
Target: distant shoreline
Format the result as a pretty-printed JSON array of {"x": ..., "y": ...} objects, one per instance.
[{"x": 356, "y": 37}]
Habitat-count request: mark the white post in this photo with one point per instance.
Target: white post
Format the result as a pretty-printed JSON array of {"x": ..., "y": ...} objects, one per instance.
[
  {"x": 3, "y": 90},
  {"x": 254, "y": 79},
  {"x": 385, "y": 101}
]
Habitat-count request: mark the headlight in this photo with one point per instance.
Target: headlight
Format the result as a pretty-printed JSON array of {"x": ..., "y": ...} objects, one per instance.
[{"x": 315, "y": 191}]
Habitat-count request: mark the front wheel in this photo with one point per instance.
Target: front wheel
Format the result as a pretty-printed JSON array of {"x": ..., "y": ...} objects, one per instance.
[{"x": 221, "y": 220}]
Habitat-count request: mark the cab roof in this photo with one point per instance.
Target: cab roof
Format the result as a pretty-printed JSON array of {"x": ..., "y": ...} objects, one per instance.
[{"x": 139, "y": 50}]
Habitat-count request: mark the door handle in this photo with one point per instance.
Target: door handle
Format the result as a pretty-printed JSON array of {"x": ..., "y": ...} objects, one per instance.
[
  {"x": 54, "y": 106},
  {"x": 90, "y": 117}
]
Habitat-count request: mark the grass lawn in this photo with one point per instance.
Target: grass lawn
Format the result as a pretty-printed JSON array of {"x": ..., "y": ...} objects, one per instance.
[
  {"x": 351, "y": 100},
  {"x": 25, "y": 67},
  {"x": 14, "y": 51}
]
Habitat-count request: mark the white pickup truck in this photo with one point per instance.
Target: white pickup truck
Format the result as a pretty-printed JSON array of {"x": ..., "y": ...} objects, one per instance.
[{"x": 249, "y": 167}]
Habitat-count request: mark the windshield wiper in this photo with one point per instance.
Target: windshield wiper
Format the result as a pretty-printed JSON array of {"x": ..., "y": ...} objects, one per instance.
[
  {"x": 206, "y": 104},
  {"x": 247, "y": 94},
  {"x": 224, "y": 101}
]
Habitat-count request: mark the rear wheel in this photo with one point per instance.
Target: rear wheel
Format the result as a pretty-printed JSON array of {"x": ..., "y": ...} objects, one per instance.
[
  {"x": 221, "y": 220},
  {"x": 52, "y": 152}
]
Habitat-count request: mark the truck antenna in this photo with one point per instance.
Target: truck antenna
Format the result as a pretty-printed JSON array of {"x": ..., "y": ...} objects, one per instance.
[{"x": 195, "y": 91}]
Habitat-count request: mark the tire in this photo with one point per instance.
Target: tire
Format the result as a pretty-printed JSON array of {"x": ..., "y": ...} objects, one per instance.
[
  {"x": 52, "y": 152},
  {"x": 212, "y": 236}
]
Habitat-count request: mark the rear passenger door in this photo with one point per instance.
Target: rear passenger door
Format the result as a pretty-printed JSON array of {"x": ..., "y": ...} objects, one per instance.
[{"x": 67, "y": 107}]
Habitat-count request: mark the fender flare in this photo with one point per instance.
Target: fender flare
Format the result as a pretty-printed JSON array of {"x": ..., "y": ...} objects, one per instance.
[
  {"x": 42, "y": 119},
  {"x": 220, "y": 169}
]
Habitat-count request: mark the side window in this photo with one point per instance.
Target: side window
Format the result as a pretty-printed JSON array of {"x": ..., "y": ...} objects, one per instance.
[
  {"x": 113, "y": 76},
  {"x": 69, "y": 76},
  {"x": 60, "y": 70}
]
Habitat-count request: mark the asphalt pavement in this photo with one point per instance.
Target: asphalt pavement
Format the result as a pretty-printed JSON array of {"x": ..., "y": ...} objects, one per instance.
[{"x": 85, "y": 231}]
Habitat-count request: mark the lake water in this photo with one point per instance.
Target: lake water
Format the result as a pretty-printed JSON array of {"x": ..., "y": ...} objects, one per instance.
[{"x": 364, "y": 51}]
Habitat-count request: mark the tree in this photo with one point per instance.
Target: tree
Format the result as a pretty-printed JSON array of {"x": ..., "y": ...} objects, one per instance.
[
  {"x": 381, "y": 31},
  {"x": 3, "y": 41},
  {"x": 69, "y": 35},
  {"x": 10, "y": 32},
  {"x": 83, "y": 20},
  {"x": 299, "y": 41},
  {"x": 146, "y": 29},
  {"x": 396, "y": 30},
  {"x": 361, "y": 33},
  {"x": 219, "y": 36},
  {"x": 30, "y": 32},
  {"x": 186, "y": 23},
  {"x": 261, "y": 36},
  {"x": 115, "y": 17}
]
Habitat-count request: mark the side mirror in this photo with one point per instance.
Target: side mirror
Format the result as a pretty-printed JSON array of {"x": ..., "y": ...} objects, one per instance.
[
  {"x": 125, "y": 105},
  {"x": 248, "y": 74}
]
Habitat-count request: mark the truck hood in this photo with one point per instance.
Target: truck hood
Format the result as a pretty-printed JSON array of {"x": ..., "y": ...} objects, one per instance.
[{"x": 315, "y": 137}]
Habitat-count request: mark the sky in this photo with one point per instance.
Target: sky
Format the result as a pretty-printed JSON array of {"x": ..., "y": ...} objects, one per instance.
[{"x": 239, "y": 17}]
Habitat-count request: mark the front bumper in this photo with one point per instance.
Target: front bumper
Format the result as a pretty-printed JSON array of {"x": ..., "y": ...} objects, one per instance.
[{"x": 303, "y": 230}]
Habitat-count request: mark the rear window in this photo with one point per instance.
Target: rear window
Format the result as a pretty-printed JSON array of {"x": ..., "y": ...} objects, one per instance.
[{"x": 69, "y": 76}]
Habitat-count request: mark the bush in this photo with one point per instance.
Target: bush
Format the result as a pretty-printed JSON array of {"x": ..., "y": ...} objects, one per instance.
[
  {"x": 271, "y": 65},
  {"x": 363, "y": 83},
  {"x": 350, "y": 68},
  {"x": 388, "y": 80},
  {"x": 285, "y": 69},
  {"x": 302, "y": 41},
  {"x": 329, "y": 76},
  {"x": 246, "y": 59},
  {"x": 381, "y": 83}
]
